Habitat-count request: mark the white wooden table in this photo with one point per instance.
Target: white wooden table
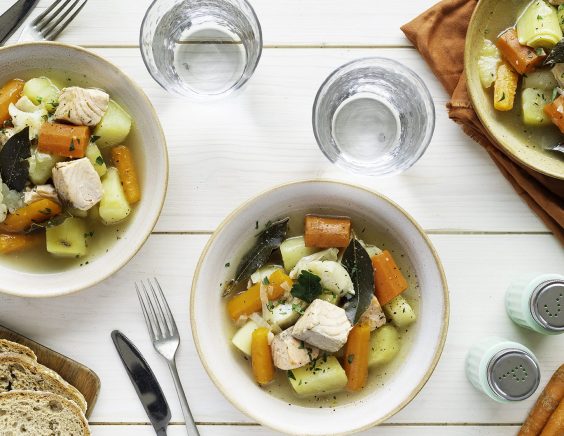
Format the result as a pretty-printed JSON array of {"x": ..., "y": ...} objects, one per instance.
[{"x": 222, "y": 154}]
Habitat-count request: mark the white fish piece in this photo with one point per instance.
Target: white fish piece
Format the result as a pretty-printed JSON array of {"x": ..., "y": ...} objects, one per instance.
[
  {"x": 82, "y": 106},
  {"x": 324, "y": 326},
  {"x": 328, "y": 254},
  {"x": 374, "y": 316},
  {"x": 41, "y": 191},
  {"x": 290, "y": 353},
  {"x": 77, "y": 182},
  {"x": 334, "y": 277}
]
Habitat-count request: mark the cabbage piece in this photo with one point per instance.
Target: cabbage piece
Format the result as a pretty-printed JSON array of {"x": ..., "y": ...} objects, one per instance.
[
  {"x": 334, "y": 277},
  {"x": 329, "y": 254},
  {"x": 490, "y": 58},
  {"x": 538, "y": 26}
]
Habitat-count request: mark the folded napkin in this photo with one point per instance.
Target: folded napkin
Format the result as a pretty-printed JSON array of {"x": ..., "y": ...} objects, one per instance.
[{"x": 439, "y": 35}]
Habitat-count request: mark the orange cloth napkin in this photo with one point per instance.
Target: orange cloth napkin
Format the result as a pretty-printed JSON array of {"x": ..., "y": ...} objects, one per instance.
[{"x": 439, "y": 34}]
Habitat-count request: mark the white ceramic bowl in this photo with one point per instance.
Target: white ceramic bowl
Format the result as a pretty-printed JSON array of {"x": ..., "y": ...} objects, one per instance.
[
  {"x": 230, "y": 372},
  {"x": 23, "y": 60}
]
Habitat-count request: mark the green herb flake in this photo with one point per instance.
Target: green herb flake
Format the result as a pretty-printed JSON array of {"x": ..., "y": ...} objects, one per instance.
[
  {"x": 265, "y": 281},
  {"x": 72, "y": 147},
  {"x": 307, "y": 287},
  {"x": 350, "y": 358},
  {"x": 502, "y": 97},
  {"x": 46, "y": 211},
  {"x": 94, "y": 138},
  {"x": 291, "y": 375},
  {"x": 227, "y": 265}
]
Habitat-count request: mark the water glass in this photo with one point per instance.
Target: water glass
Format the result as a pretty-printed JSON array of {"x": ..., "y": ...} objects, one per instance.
[
  {"x": 373, "y": 116},
  {"x": 201, "y": 49}
]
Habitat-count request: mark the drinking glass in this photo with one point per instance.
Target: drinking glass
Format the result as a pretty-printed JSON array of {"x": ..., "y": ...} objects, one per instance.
[
  {"x": 201, "y": 48},
  {"x": 373, "y": 116}
]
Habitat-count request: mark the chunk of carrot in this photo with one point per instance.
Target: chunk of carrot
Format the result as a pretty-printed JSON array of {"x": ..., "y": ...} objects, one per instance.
[
  {"x": 123, "y": 161},
  {"x": 261, "y": 357},
  {"x": 555, "y": 111},
  {"x": 356, "y": 357},
  {"x": 389, "y": 282},
  {"x": 15, "y": 243},
  {"x": 63, "y": 139},
  {"x": 249, "y": 301},
  {"x": 36, "y": 212},
  {"x": 9, "y": 93},
  {"x": 327, "y": 232},
  {"x": 522, "y": 58},
  {"x": 505, "y": 87}
]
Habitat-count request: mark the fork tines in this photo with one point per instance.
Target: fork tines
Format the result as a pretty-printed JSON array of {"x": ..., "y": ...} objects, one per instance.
[
  {"x": 57, "y": 17},
  {"x": 156, "y": 311}
]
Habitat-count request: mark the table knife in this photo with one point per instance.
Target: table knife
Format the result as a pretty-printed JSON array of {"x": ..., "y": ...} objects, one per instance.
[
  {"x": 14, "y": 17},
  {"x": 146, "y": 385}
]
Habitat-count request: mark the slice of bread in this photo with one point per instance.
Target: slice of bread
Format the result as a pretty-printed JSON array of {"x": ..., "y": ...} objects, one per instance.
[
  {"x": 18, "y": 372},
  {"x": 40, "y": 413},
  {"x": 7, "y": 346}
]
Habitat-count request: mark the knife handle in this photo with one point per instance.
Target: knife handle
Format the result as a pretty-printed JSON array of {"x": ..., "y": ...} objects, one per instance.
[{"x": 190, "y": 424}]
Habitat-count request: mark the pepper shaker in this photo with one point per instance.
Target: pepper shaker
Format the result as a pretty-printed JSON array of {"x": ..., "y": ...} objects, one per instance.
[
  {"x": 505, "y": 371},
  {"x": 536, "y": 302}
]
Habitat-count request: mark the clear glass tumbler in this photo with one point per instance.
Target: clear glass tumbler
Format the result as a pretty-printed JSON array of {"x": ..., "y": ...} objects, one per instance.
[
  {"x": 201, "y": 48},
  {"x": 373, "y": 116}
]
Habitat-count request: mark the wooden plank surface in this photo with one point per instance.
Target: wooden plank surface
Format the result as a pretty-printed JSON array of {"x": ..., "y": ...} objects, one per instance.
[
  {"x": 478, "y": 268},
  {"x": 264, "y": 137},
  {"x": 289, "y": 22}
]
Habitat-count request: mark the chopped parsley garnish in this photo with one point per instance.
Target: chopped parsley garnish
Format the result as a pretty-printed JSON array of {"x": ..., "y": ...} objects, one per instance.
[
  {"x": 46, "y": 211},
  {"x": 99, "y": 160},
  {"x": 307, "y": 287},
  {"x": 72, "y": 147},
  {"x": 291, "y": 375},
  {"x": 227, "y": 265},
  {"x": 350, "y": 358},
  {"x": 265, "y": 281},
  {"x": 502, "y": 97},
  {"x": 94, "y": 138}
]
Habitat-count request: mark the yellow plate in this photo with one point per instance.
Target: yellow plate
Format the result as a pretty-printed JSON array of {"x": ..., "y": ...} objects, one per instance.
[{"x": 490, "y": 18}]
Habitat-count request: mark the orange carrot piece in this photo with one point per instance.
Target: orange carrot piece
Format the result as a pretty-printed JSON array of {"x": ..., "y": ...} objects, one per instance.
[
  {"x": 15, "y": 243},
  {"x": 63, "y": 139},
  {"x": 261, "y": 357},
  {"x": 389, "y": 282},
  {"x": 123, "y": 161},
  {"x": 24, "y": 217},
  {"x": 522, "y": 58},
  {"x": 249, "y": 301},
  {"x": 356, "y": 357},
  {"x": 555, "y": 424},
  {"x": 326, "y": 232},
  {"x": 555, "y": 111},
  {"x": 9, "y": 93},
  {"x": 551, "y": 396}
]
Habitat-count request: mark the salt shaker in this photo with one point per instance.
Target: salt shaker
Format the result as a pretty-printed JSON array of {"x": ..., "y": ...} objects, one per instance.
[
  {"x": 536, "y": 302},
  {"x": 505, "y": 371}
]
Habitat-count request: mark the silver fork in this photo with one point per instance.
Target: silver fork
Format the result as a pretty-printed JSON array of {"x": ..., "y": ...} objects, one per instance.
[
  {"x": 51, "y": 22},
  {"x": 165, "y": 337}
]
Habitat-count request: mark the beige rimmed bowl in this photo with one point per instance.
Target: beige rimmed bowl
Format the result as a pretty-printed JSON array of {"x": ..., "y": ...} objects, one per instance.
[
  {"x": 231, "y": 373},
  {"x": 490, "y": 18},
  {"x": 24, "y": 60}
]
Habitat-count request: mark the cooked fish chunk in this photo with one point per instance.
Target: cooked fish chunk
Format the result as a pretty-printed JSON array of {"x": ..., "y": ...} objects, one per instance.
[
  {"x": 374, "y": 316},
  {"x": 78, "y": 183},
  {"x": 290, "y": 353},
  {"x": 323, "y": 325},
  {"x": 81, "y": 106},
  {"x": 41, "y": 191}
]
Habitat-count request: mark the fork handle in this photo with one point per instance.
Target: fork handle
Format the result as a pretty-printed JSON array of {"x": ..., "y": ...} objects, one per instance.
[{"x": 190, "y": 424}]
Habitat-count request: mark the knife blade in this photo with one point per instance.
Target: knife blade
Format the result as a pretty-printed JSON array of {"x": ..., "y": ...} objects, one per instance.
[
  {"x": 14, "y": 17},
  {"x": 146, "y": 385}
]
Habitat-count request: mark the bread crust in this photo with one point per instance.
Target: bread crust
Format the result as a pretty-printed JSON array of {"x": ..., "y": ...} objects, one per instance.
[
  {"x": 7, "y": 346},
  {"x": 36, "y": 368},
  {"x": 47, "y": 397}
]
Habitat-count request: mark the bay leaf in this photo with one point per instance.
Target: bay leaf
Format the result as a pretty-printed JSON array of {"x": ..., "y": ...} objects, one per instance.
[
  {"x": 14, "y": 167},
  {"x": 556, "y": 56},
  {"x": 266, "y": 242},
  {"x": 359, "y": 266}
]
